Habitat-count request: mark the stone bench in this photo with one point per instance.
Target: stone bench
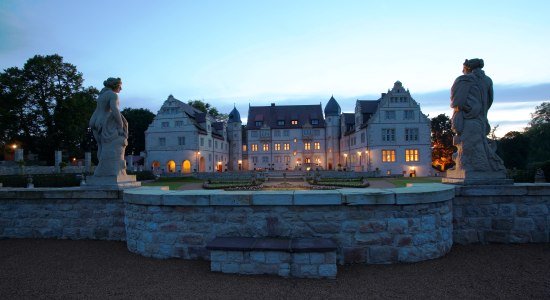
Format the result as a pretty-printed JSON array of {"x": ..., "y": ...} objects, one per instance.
[{"x": 298, "y": 257}]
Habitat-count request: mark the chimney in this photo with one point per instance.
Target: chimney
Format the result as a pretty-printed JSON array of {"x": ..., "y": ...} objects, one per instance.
[
  {"x": 272, "y": 104},
  {"x": 383, "y": 94}
]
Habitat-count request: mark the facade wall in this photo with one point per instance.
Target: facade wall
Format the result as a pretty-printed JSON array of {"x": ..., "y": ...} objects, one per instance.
[
  {"x": 297, "y": 154},
  {"x": 174, "y": 137}
]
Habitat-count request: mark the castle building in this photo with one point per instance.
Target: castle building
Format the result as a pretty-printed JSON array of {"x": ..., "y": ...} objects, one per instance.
[{"x": 389, "y": 136}]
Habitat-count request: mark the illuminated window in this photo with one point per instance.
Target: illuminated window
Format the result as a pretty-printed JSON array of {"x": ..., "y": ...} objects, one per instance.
[
  {"x": 254, "y": 147},
  {"x": 277, "y": 147},
  {"x": 266, "y": 147},
  {"x": 411, "y": 155},
  {"x": 388, "y": 155},
  {"x": 307, "y": 146},
  {"x": 307, "y": 160},
  {"x": 244, "y": 147},
  {"x": 287, "y": 146},
  {"x": 317, "y": 146},
  {"x": 294, "y": 122},
  {"x": 295, "y": 140}
]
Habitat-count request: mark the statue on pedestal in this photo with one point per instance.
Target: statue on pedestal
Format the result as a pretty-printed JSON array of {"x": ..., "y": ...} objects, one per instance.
[
  {"x": 110, "y": 130},
  {"x": 476, "y": 159}
]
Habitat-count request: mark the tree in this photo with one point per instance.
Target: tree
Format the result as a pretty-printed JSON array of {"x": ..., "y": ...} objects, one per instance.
[
  {"x": 207, "y": 108},
  {"x": 513, "y": 151},
  {"x": 40, "y": 97},
  {"x": 541, "y": 114},
  {"x": 442, "y": 143},
  {"x": 139, "y": 120}
]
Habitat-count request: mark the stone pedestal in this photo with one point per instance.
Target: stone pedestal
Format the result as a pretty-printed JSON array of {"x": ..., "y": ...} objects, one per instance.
[
  {"x": 88, "y": 161},
  {"x": 462, "y": 177},
  {"x": 112, "y": 182},
  {"x": 58, "y": 160},
  {"x": 18, "y": 155}
]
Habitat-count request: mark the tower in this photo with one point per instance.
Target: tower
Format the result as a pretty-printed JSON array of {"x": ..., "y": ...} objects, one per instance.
[
  {"x": 332, "y": 119},
  {"x": 234, "y": 137}
]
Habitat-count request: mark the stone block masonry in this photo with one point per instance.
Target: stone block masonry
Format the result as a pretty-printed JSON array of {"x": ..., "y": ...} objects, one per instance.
[
  {"x": 302, "y": 258},
  {"x": 517, "y": 213},
  {"x": 166, "y": 224},
  {"x": 69, "y": 213}
]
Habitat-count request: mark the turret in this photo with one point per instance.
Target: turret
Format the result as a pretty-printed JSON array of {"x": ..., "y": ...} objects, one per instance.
[{"x": 234, "y": 137}]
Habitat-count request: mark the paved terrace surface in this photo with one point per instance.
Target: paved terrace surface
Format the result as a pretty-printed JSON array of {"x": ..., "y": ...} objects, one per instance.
[{"x": 99, "y": 269}]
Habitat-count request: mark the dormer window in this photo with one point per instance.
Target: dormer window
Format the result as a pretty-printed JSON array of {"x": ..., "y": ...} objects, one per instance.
[
  {"x": 281, "y": 123},
  {"x": 314, "y": 122},
  {"x": 294, "y": 122},
  {"x": 259, "y": 123}
]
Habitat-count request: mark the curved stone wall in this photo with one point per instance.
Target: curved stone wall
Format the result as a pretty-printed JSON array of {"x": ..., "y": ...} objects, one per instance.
[{"x": 374, "y": 226}]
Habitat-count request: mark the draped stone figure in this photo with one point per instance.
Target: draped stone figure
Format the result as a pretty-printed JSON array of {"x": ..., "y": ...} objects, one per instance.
[
  {"x": 476, "y": 159},
  {"x": 110, "y": 130}
]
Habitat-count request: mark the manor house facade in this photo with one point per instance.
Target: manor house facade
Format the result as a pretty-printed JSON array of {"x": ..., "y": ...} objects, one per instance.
[{"x": 389, "y": 135}]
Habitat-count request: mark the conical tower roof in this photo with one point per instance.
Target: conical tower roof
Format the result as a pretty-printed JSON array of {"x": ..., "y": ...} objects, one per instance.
[{"x": 332, "y": 108}]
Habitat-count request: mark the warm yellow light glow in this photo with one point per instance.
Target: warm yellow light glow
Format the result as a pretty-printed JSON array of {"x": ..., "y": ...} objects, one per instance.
[
  {"x": 240, "y": 161},
  {"x": 14, "y": 146},
  {"x": 198, "y": 153},
  {"x": 358, "y": 153},
  {"x": 345, "y": 155}
]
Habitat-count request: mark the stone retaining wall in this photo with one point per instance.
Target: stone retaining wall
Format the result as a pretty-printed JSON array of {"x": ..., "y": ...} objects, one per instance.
[
  {"x": 371, "y": 226},
  {"x": 502, "y": 214},
  {"x": 69, "y": 213}
]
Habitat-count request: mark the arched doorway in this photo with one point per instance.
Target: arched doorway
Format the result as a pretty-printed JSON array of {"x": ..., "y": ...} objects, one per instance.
[
  {"x": 155, "y": 166},
  {"x": 171, "y": 166},
  {"x": 202, "y": 165},
  {"x": 186, "y": 166}
]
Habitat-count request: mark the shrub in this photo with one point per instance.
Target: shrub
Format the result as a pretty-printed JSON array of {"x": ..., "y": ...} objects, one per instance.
[
  {"x": 142, "y": 175},
  {"x": 49, "y": 180}
]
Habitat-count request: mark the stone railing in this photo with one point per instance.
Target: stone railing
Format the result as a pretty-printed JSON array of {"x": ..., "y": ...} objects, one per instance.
[{"x": 369, "y": 226}]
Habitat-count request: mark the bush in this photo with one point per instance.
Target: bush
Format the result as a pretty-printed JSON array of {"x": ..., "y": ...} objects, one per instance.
[
  {"x": 49, "y": 180},
  {"x": 142, "y": 175}
]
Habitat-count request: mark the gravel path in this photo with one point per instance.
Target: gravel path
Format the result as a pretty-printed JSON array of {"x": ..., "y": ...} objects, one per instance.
[{"x": 101, "y": 269}]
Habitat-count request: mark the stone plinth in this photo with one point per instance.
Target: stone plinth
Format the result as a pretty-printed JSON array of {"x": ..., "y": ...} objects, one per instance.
[
  {"x": 112, "y": 182},
  {"x": 476, "y": 178}
]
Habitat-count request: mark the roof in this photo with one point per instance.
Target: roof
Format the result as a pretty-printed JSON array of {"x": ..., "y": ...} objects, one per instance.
[
  {"x": 349, "y": 120},
  {"x": 332, "y": 108},
  {"x": 234, "y": 116},
  {"x": 270, "y": 115}
]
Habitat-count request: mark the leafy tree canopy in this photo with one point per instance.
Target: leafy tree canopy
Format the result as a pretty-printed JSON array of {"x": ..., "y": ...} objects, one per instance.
[
  {"x": 207, "y": 108},
  {"x": 442, "y": 142},
  {"x": 139, "y": 120},
  {"x": 45, "y": 107}
]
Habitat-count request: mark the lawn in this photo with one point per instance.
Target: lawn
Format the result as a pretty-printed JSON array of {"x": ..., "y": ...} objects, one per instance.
[
  {"x": 173, "y": 183},
  {"x": 402, "y": 182}
]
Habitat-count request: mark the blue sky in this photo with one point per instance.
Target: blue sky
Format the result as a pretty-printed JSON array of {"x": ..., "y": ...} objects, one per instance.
[{"x": 290, "y": 52}]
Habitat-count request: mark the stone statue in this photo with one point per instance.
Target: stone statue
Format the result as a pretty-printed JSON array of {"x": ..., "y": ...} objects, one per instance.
[
  {"x": 476, "y": 159},
  {"x": 110, "y": 130}
]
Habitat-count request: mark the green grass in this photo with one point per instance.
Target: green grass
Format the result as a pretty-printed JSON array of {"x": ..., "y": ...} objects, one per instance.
[
  {"x": 402, "y": 182},
  {"x": 173, "y": 183}
]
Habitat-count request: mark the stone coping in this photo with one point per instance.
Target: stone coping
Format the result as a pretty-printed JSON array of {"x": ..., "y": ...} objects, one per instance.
[
  {"x": 516, "y": 189},
  {"x": 66, "y": 193},
  {"x": 415, "y": 194}
]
